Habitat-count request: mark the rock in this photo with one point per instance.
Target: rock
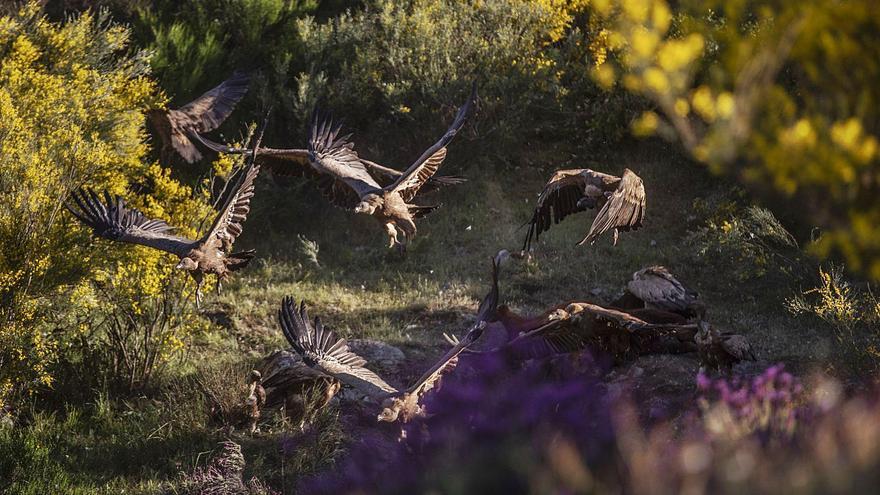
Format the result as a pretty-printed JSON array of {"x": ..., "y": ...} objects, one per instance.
[{"x": 381, "y": 357}]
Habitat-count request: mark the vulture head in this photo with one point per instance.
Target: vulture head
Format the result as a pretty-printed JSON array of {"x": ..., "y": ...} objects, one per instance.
[
  {"x": 187, "y": 264},
  {"x": 586, "y": 203},
  {"x": 391, "y": 408},
  {"x": 254, "y": 377},
  {"x": 369, "y": 204},
  {"x": 703, "y": 329}
]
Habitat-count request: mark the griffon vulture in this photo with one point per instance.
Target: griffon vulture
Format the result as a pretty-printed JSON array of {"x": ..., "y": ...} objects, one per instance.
[
  {"x": 211, "y": 254},
  {"x": 204, "y": 114},
  {"x": 721, "y": 350},
  {"x": 621, "y": 201},
  {"x": 347, "y": 180},
  {"x": 329, "y": 354},
  {"x": 656, "y": 288},
  {"x": 290, "y": 383}
]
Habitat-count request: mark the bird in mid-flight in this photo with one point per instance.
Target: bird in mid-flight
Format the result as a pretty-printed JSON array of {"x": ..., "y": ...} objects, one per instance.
[
  {"x": 109, "y": 217},
  {"x": 621, "y": 201},
  {"x": 350, "y": 182},
  {"x": 204, "y": 114}
]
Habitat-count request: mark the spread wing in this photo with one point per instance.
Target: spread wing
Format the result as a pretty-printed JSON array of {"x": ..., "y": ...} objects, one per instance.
[
  {"x": 113, "y": 220},
  {"x": 228, "y": 224},
  {"x": 624, "y": 211},
  {"x": 281, "y": 161},
  {"x": 344, "y": 178},
  {"x": 409, "y": 183},
  {"x": 658, "y": 288},
  {"x": 208, "y": 111},
  {"x": 554, "y": 337},
  {"x": 322, "y": 349},
  {"x": 203, "y": 114},
  {"x": 558, "y": 200},
  {"x": 485, "y": 314}
]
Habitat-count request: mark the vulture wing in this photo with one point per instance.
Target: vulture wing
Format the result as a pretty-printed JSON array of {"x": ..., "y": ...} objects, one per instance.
[
  {"x": 409, "y": 183},
  {"x": 322, "y": 349},
  {"x": 485, "y": 314},
  {"x": 622, "y": 319},
  {"x": 558, "y": 200},
  {"x": 112, "y": 220},
  {"x": 344, "y": 178},
  {"x": 624, "y": 211},
  {"x": 228, "y": 224},
  {"x": 658, "y": 288},
  {"x": 205, "y": 113},
  {"x": 738, "y": 347},
  {"x": 281, "y": 161}
]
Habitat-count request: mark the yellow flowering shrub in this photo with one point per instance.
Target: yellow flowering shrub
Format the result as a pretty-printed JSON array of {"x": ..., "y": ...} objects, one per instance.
[
  {"x": 72, "y": 97},
  {"x": 784, "y": 95}
]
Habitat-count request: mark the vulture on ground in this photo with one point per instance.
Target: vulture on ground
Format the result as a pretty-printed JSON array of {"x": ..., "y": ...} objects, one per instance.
[
  {"x": 255, "y": 400},
  {"x": 347, "y": 180},
  {"x": 330, "y": 355},
  {"x": 656, "y": 289},
  {"x": 290, "y": 384},
  {"x": 212, "y": 254},
  {"x": 621, "y": 201},
  {"x": 204, "y": 114},
  {"x": 718, "y": 350}
]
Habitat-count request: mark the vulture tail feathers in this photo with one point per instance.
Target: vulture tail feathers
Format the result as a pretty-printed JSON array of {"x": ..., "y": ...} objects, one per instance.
[
  {"x": 421, "y": 211},
  {"x": 237, "y": 261}
]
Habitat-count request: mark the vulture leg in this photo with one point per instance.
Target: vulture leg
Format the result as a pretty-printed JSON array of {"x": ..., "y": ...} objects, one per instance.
[
  {"x": 615, "y": 237},
  {"x": 392, "y": 235},
  {"x": 219, "y": 284},
  {"x": 200, "y": 279}
]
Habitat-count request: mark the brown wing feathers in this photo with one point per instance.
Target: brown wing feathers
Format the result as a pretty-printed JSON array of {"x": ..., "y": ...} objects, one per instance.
[
  {"x": 623, "y": 212},
  {"x": 113, "y": 220},
  {"x": 558, "y": 200}
]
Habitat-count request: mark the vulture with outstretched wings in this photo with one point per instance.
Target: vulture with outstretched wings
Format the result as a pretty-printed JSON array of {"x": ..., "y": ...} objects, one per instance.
[
  {"x": 349, "y": 182},
  {"x": 656, "y": 288},
  {"x": 330, "y": 355},
  {"x": 204, "y": 114},
  {"x": 112, "y": 219},
  {"x": 621, "y": 201}
]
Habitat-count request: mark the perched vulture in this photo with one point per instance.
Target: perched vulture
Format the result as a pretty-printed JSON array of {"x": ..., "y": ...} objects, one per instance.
[
  {"x": 621, "y": 201},
  {"x": 718, "y": 350},
  {"x": 330, "y": 355},
  {"x": 212, "y": 254},
  {"x": 347, "y": 180},
  {"x": 255, "y": 400},
  {"x": 655, "y": 288},
  {"x": 204, "y": 114}
]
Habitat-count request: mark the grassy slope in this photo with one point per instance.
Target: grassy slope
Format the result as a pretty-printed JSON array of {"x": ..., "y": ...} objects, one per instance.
[{"x": 364, "y": 290}]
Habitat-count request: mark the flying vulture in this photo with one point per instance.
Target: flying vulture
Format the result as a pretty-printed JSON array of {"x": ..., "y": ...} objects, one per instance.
[
  {"x": 294, "y": 162},
  {"x": 621, "y": 201},
  {"x": 203, "y": 114},
  {"x": 656, "y": 288},
  {"x": 212, "y": 254},
  {"x": 330, "y": 355},
  {"x": 719, "y": 350},
  {"x": 348, "y": 181}
]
